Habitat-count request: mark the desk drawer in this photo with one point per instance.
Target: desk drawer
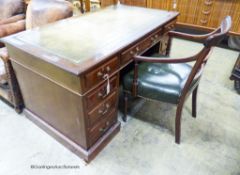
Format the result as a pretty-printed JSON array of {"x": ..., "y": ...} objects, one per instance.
[
  {"x": 102, "y": 110},
  {"x": 101, "y": 128},
  {"x": 99, "y": 94},
  {"x": 169, "y": 26},
  {"x": 140, "y": 47},
  {"x": 96, "y": 75}
]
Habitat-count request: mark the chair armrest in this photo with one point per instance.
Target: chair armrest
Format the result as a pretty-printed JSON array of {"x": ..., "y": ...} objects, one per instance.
[
  {"x": 165, "y": 60},
  {"x": 12, "y": 19},
  {"x": 192, "y": 36},
  {"x": 11, "y": 28}
]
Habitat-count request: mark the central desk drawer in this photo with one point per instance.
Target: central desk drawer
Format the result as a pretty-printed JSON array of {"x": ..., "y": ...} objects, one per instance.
[
  {"x": 97, "y": 75},
  {"x": 139, "y": 48},
  {"x": 99, "y": 94},
  {"x": 102, "y": 110}
]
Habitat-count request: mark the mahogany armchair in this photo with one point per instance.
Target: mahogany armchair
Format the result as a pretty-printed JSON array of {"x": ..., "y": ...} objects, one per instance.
[
  {"x": 39, "y": 12},
  {"x": 172, "y": 80}
]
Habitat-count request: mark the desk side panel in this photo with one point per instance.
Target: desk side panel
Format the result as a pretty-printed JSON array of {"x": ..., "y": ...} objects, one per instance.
[{"x": 53, "y": 104}]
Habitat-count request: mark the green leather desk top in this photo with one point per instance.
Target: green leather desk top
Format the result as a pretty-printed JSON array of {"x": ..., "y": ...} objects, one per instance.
[{"x": 81, "y": 42}]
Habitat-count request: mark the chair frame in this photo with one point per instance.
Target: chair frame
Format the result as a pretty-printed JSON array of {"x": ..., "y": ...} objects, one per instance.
[{"x": 201, "y": 58}]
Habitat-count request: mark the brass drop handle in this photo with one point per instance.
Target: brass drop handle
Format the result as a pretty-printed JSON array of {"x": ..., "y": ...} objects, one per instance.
[
  {"x": 137, "y": 49},
  {"x": 99, "y": 74},
  {"x": 101, "y": 95},
  {"x": 108, "y": 69},
  {"x": 208, "y": 2},
  {"x": 131, "y": 52},
  {"x": 103, "y": 112},
  {"x": 203, "y": 21},
  {"x": 171, "y": 27},
  {"x": 104, "y": 129},
  {"x": 205, "y": 12}
]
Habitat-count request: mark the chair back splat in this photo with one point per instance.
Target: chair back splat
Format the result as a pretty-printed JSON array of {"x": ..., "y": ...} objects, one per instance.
[{"x": 203, "y": 56}]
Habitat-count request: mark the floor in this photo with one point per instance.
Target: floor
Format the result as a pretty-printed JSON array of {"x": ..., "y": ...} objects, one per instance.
[{"x": 145, "y": 145}]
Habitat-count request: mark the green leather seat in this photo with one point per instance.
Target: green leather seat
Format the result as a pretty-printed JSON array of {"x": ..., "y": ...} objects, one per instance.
[{"x": 162, "y": 82}]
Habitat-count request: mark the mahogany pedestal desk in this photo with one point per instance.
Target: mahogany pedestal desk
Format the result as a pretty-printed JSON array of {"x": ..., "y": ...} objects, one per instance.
[{"x": 68, "y": 71}]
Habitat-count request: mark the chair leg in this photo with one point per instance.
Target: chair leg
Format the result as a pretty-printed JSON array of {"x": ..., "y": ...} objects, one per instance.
[
  {"x": 194, "y": 102},
  {"x": 178, "y": 123},
  {"x": 125, "y": 107}
]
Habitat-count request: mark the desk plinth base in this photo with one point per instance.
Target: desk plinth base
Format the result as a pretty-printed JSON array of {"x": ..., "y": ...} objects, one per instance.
[{"x": 87, "y": 155}]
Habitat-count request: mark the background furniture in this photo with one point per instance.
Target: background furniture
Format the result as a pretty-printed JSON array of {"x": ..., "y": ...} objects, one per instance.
[
  {"x": 173, "y": 80},
  {"x": 101, "y": 3},
  {"x": 39, "y": 12},
  {"x": 11, "y": 21},
  {"x": 70, "y": 82},
  {"x": 199, "y": 14}
]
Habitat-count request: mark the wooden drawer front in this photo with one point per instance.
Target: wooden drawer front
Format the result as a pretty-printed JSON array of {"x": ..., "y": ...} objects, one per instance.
[
  {"x": 97, "y": 75},
  {"x": 169, "y": 26},
  {"x": 140, "y": 47},
  {"x": 101, "y": 128},
  {"x": 102, "y": 110},
  {"x": 99, "y": 94}
]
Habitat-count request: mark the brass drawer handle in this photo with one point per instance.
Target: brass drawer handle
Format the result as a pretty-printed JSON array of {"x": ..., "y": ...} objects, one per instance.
[
  {"x": 101, "y": 95},
  {"x": 170, "y": 27},
  {"x": 203, "y": 21},
  {"x": 137, "y": 49},
  {"x": 206, "y": 12},
  {"x": 108, "y": 69},
  {"x": 99, "y": 74},
  {"x": 104, "y": 129},
  {"x": 103, "y": 112},
  {"x": 208, "y": 3},
  {"x": 156, "y": 36},
  {"x": 132, "y": 52}
]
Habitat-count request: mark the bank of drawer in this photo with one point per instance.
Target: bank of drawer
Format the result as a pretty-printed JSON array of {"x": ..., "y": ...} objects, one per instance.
[
  {"x": 102, "y": 110},
  {"x": 99, "y": 94},
  {"x": 127, "y": 55},
  {"x": 102, "y": 127},
  {"x": 98, "y": 74},
  {"x": 169, "y": 26}
]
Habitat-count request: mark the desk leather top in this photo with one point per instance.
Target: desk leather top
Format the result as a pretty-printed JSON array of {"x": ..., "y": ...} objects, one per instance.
[{"x": 78, "y": 43}]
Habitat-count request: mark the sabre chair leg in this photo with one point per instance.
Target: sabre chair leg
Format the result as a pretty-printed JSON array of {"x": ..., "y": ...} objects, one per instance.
[
  {"x": 178, "y": 123},
  {"x": 194, "y": 102},
  {"x": 125, "y": 107}
]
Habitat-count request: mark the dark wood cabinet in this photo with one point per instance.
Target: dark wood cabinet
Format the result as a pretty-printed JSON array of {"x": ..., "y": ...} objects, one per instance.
[
  {"x": 200, "y": 14},
  {"x": 141, "y": 3}
]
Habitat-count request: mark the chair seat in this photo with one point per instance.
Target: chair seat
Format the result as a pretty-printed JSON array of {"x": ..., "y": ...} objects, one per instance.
[{"x": 162, "y": 82}]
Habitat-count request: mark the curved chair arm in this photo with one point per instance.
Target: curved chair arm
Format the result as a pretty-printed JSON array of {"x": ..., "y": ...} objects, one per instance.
[
  {"x": 11, "y": 28},
  {"x": 165, "y": 60},
  {"x": 192, "y": 36},
  {"x": 12, "y": 19}
]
